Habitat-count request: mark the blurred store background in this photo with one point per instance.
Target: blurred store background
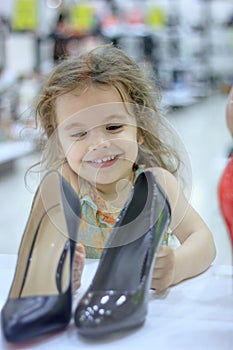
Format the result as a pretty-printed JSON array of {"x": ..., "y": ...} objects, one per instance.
[{"x": 186, "y": 46}]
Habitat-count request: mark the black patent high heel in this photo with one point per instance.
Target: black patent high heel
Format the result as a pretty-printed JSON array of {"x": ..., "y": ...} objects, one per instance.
[
  {"x": 40, "y": 298},
  {"x": 118, "y": 295}
]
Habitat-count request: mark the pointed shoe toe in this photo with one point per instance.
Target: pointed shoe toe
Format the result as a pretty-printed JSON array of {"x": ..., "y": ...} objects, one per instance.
[
  {"x": 23, "y": 318},
  {"x": 101, "y": 313}
]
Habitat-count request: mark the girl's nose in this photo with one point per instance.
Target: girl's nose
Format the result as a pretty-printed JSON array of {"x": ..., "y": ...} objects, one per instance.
[{"x": 98, "y": 141}]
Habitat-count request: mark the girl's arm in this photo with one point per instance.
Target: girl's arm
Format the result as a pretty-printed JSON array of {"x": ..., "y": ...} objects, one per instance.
[{"x": 197, "y": 249}]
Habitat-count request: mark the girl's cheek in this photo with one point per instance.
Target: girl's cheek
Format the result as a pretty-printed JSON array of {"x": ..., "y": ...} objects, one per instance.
[{"x": 69, "y": 146}]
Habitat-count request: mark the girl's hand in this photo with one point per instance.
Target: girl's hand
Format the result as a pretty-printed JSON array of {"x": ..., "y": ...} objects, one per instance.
[
  {"x": 79, "y": 260},
  {"x": 164, "y": 269}
]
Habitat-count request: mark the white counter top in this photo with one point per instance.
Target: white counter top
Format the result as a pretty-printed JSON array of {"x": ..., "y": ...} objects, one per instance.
[{"x": 197, "y": 314}]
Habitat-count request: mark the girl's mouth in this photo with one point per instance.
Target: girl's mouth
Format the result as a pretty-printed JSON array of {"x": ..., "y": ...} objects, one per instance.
[{"x": 104, "y": 162}]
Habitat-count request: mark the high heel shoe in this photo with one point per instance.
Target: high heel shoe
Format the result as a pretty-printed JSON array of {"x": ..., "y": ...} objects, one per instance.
[
  {"x": 40, "y": 298},
  {"x": 118, "y": 294}
]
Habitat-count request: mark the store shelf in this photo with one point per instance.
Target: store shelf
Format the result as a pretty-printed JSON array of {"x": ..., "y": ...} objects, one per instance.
[{"x": 11, "y": 151}]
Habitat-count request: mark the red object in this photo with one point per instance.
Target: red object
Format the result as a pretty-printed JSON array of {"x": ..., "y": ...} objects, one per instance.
[{"x": 225, "y": 193}]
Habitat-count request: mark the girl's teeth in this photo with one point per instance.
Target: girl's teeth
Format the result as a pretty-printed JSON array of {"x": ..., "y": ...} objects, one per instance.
[{"x": 104, "y": 159}]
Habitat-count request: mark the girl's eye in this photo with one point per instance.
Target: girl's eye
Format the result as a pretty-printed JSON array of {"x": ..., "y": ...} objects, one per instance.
[
  {"x": 79, "y": 135},
  {"x": 114, "y": 127}
]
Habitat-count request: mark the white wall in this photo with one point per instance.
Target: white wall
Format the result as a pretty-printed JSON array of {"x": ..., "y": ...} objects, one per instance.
[{"x": 20, "y": 48}]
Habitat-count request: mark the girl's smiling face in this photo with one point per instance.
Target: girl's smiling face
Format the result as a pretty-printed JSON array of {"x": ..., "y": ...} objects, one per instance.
[{"x": 97, "y": 134}]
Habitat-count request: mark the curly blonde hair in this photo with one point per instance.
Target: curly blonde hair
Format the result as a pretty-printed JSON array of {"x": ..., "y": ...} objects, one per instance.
[{"x": 107, "y": 65}]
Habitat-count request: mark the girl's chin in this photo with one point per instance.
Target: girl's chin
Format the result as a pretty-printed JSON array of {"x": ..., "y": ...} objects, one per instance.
[{"x": 102, "y": 178}]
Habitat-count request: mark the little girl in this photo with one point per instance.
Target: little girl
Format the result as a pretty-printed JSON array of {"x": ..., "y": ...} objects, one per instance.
[{"x": 99, "y": 116}]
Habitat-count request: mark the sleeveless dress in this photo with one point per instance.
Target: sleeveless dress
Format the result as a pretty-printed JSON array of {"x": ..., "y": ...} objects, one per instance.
[{"x": 98, "y": 219}]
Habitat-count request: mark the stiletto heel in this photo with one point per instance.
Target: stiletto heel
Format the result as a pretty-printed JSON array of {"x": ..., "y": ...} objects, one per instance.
[
  {"x": 40, "y": 298},
  {"x": 118, "y": 295}
]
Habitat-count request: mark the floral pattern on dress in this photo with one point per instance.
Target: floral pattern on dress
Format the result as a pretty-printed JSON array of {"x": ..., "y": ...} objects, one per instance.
[{"x": 98, "y": 219}]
